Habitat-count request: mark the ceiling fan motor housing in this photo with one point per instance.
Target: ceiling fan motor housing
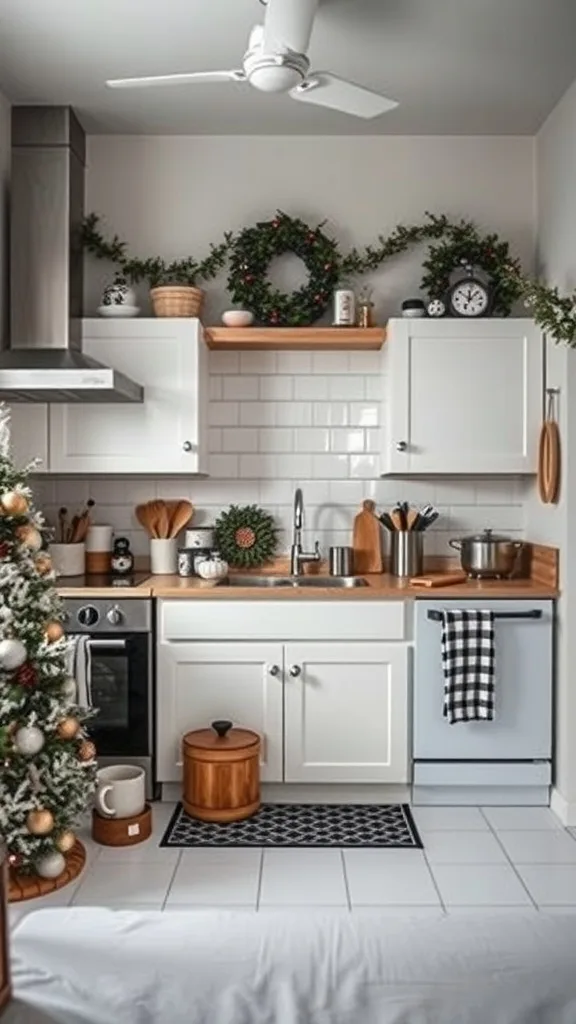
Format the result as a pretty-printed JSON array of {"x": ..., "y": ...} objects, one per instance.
[{"x": 276, "y": 72}]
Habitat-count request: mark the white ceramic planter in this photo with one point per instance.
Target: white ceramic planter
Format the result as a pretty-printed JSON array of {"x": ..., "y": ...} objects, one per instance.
[
  {"x": 68, "y": 559},
  {"x": 163, "y": 556}
]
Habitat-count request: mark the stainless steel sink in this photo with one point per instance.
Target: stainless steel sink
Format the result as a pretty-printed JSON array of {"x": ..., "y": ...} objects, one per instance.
[{"x": 343, "y": 582}]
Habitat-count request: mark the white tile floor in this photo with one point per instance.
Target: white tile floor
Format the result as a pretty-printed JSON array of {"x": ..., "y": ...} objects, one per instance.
[{"x": 475, "y": 859}]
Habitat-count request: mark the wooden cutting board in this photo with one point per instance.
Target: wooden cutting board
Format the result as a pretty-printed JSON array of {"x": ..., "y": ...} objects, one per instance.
[
  {"x": 367, "y": 540},
  {"x": 438, "y": 579}
]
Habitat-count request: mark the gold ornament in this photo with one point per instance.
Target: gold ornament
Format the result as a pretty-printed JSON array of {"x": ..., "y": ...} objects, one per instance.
[
  {"x": 53, "y": 632},
  {"x": 14, "y": 504},
  {"x": 65, "y": 841},
  {"x": 40, "y": 823},
  {"x": 29, "y": 536},
  {"x": 43, "y": 563},
  {"x": 87, "y": 751},
  {"x": 68, "y": 728}
]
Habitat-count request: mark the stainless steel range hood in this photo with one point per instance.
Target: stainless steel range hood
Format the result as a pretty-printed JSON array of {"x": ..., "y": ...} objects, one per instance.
[{"x": 45, "y": 362}]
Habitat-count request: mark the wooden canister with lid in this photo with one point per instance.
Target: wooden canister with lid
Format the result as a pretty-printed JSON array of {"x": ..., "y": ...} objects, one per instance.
[{"x": 221, "y": 773}]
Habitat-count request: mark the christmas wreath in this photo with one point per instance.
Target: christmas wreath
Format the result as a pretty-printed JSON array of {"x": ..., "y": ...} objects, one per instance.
[
  {"x": 251, "y": 254},
  {"x": 246, "y": 536}
]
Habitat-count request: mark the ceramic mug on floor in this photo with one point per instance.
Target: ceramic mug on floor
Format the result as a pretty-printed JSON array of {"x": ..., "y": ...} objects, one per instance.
[{"x": 121, "y": 791}]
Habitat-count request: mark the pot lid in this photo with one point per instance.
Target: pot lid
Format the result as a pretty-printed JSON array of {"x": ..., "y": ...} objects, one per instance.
[
  {"x": 221, "y": 736},
  {"x": 487, "y": 537}
]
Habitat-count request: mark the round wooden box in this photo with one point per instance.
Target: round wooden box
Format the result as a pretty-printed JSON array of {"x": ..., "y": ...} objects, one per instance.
[
  {"x": 122, "y": 831},
  {"x": 221, "y": 773}
]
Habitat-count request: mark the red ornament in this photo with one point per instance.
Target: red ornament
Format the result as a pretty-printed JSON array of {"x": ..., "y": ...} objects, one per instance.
[
  {"x": 327, "y": 266},
  {"x": 27, "y": 675},
  {"x": 4, "y": 549},
  {"x": 311, "y": 237},
  {"x": 274, "y": 317},
  {"x": 275, "y": 223},
  {"x": 248, "y": 279}
]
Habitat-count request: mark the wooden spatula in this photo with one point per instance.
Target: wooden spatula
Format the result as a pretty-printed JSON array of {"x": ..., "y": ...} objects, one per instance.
[
  {"x": 162, "y": 519},
  {"x": 180, "y": 515},
  {"x": 146, "y": 516}
]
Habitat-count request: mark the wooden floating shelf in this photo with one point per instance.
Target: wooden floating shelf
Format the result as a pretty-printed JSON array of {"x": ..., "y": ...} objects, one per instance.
[{"x": 283, "y": 338}]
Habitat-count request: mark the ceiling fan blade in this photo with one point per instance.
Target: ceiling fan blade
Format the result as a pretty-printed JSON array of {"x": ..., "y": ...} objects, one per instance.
[
  {"x": 288, "y": 25},
  {"x": 183, "y": 79},
  {"x": 326, "y": 90}
]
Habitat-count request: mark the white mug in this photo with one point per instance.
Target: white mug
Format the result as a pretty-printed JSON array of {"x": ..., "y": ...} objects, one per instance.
[{"x": 121, "y": 791}]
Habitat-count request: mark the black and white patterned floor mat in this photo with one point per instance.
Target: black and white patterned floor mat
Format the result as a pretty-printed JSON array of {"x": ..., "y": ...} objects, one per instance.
[{"x": 389, "y": 825}]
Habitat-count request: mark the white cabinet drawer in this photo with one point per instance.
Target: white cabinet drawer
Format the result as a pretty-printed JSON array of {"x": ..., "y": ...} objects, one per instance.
[{"x": 281, "y": 620}]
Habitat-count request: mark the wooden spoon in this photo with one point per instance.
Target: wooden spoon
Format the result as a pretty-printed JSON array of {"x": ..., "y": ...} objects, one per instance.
[
  {"x": 146, "y": 516},
  {"x": 180, "y": 516},
  {"x": 162, "y": 519}
]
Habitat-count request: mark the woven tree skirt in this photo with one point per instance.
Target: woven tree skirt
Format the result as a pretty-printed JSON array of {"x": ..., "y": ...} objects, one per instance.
[{"x": 29, "y": 887}]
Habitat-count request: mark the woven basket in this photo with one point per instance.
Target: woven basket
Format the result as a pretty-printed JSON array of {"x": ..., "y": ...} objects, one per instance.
[{"x": 177, "y": 300}]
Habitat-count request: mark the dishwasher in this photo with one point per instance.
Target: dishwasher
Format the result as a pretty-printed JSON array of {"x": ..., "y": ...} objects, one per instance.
[{"x": 503, "y": 761}]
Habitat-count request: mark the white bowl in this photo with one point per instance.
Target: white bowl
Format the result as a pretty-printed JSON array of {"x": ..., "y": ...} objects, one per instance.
[
  {"x": 237, "y": 318},
  {"x": 118, "y": 311}
]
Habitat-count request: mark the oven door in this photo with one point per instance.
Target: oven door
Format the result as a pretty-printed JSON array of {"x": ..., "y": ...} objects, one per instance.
[{"x": 121, "y": 691}]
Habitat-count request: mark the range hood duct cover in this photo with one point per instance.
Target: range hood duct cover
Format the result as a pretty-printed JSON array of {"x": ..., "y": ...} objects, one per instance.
[{"x": 45, "y": 362}]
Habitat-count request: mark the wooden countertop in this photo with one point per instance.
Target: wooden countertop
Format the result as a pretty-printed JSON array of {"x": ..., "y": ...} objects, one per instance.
[{"x": 380, "y": 587}]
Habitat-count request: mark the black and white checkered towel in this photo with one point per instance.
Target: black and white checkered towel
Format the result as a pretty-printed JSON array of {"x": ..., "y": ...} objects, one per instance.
[{"x": 468, "y": 663}]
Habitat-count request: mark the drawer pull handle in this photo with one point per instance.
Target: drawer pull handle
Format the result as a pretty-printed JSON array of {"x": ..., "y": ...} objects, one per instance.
[
  {"x": 534, "y": 613},
  {"x": 295, "y": 670},
  {"x": 274, "y": 670}
]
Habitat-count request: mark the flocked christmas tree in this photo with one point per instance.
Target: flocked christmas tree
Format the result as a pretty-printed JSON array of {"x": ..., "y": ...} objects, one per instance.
[{"x": 47, "y": 762}]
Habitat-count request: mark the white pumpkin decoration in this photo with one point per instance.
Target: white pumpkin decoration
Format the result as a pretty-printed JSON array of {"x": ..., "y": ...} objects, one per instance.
[{"x": 213, "y": 568}]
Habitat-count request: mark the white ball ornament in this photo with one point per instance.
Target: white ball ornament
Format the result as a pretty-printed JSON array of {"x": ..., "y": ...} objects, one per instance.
[
  {"x": 51, "y": 865},
  {"x": 29, "y": 740},
  {"x": 12, "y": 654}
]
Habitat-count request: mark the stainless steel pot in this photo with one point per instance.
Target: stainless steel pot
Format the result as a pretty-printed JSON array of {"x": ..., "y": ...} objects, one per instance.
[{"x": 486, "y": 555}]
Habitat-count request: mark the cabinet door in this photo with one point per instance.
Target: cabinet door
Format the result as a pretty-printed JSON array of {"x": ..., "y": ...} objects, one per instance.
[
  {"x": 463, "y": 396},
  {"x": 163, "y": 434},
  {"x": 346, "y": 712},
  {"x": 198, "y": 683},
  {"x": 29, "y": 434}
]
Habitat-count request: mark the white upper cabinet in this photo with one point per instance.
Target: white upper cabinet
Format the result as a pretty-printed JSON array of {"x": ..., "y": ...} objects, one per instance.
[
  {"x": 164, "y": 434},
  {"x": 462, "y": 396},
  {"x": 29, "y": 434}
]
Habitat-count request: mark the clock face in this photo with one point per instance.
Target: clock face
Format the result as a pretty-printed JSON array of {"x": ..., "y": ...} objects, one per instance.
[{"x": 469, "y": 298}]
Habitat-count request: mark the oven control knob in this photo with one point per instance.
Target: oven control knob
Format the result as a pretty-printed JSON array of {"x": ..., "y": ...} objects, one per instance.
[
  {"x": 114, "y": 615},
  {"x": 88, "y": 615}
]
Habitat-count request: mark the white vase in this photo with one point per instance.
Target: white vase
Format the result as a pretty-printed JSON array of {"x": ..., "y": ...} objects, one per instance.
[{"x": 163, "y": 556}]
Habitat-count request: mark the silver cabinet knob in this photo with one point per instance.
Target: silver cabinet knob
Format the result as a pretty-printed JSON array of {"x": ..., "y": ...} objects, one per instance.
[
  {"x": 401, "y": 446},
  {"x": 114, "y": 615},
  {"x": 295, "y": 670},
  {"x": 274, "y": 670},
  {"x": 187, "y": 446}
]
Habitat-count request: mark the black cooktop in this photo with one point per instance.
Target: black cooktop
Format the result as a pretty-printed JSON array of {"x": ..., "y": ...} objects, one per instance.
[{"x": 100, "y": 580}]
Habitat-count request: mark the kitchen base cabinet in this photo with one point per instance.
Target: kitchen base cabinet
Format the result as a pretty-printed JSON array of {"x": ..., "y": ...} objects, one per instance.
[
  {"x": 346, "y": 712},
  {"x": 166, "y": 433},
  {"x": 198, "y": 683}
]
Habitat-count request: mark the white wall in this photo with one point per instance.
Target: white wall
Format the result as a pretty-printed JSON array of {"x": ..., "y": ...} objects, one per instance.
[
  {"x": 4, "y": 175},
  {"x": 272, "y": 414},
  {"x": 556, "y": 174},
  {"x": 171, "y": 196}
]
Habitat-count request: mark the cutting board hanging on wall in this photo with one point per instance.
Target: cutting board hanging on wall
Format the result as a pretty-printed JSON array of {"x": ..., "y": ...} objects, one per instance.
[{"x": 367, "y": 540}]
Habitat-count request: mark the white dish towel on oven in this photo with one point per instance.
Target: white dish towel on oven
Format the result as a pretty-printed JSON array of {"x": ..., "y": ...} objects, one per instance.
[
  {"x": 78, "y": 666},
  {"x": 468, "y": 664}
]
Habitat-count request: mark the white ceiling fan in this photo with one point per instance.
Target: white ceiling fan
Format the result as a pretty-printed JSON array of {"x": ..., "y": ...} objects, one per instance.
[{"x": 276, "y": 61}]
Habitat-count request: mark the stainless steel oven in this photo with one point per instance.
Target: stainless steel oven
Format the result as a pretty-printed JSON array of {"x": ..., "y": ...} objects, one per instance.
[{"x": 120, "y": 666}]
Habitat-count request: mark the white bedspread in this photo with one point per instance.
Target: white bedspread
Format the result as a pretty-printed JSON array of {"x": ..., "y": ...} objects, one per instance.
[{"x": 95, "y": 966}]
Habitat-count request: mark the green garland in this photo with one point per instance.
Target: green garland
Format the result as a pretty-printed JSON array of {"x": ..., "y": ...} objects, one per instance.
[
  {"x": 249, "y": 254},
  {"x": 246, "y": 536},
  {"x": 253, "y": 250}
]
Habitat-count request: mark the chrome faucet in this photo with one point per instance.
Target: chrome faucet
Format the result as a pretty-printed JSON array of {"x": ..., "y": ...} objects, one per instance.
[{"x": 297, "y": 556}]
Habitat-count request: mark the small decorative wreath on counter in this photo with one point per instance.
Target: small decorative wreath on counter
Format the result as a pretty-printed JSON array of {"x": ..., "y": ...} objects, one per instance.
[
  {"x": 246, "y": 536},
  {"x": 251, "y": 254}
]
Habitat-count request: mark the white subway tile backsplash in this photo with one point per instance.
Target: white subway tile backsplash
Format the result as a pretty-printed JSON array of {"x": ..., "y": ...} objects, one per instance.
[
  {"x": 276, "y": 492},
  {"x": 215, "y": 439},
  {"x": 276, "y": 439},
  {"x": 373, "y": 441},
  {"x": 330, "y": 362},
  {"x": 346, "y": 492},
  {"x": 311, "y": 389},
  {"x": 331, "y": 414},
  {"x": 331, "y": 467},
  {"x": 374, "y": 389},
  {"x": 224, "y": 362},
  {"x": 365, "y": 362},
  {"x": 257, "y": 362},
  {"x": 279, "y": 466},
  {"x": 294, "y": 362},
  {"x": 347, "y": 440},
  {"x": 240, "y": 439},
  {"x": 257, "y": 414},
  {"x": 363, "y": 467},
  {"x": 240, "y": 388},
  {"x": 215, "y": 388},
  {"x": 223, "y": 414},
  {"x": 294, "y": 414},
  {"x": 346, "y": 389},
  {"x": 364, "y": 414},
  {"x": 276, "y": 389},
  {"x": 223, "y": 466},
  {"x": 312, "y": 440}
]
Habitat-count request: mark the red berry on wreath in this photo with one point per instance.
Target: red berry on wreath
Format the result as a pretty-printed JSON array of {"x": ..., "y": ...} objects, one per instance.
[{"x": 27, "y": 675}]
